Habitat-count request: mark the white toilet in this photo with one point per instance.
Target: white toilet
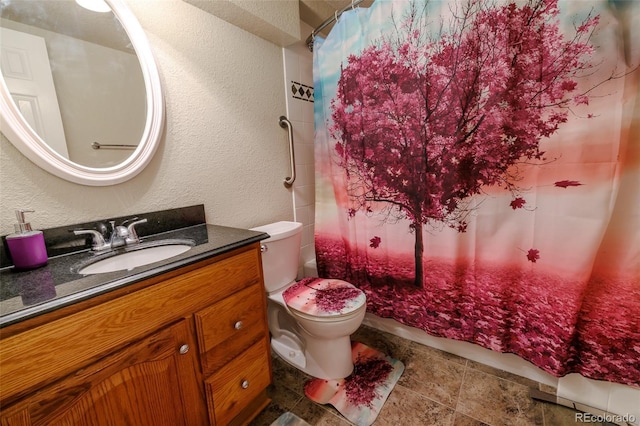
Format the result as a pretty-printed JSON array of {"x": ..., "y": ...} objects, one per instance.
[{"x": 311, "y": 320}]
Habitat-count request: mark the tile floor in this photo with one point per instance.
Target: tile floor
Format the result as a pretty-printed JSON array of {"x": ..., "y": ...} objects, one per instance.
[{"x": 436, "y": 388}]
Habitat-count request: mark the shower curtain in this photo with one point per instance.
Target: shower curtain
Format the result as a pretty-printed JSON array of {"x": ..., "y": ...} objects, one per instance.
[{"x": 478, "y": 174}]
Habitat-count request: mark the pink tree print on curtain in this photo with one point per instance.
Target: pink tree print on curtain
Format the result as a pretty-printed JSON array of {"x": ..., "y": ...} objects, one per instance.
[{"x": 423, "y": 124}]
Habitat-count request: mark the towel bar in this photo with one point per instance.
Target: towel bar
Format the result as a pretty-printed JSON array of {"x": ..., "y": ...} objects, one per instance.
[{"x": 98, "y": 145}]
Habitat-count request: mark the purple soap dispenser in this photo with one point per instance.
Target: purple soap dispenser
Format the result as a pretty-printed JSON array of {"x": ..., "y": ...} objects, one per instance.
[{"x": 26, "y": 246}]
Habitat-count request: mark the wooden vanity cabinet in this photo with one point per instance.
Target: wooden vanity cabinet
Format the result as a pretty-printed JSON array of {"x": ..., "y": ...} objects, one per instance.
[{"x": 191, "y": 349}]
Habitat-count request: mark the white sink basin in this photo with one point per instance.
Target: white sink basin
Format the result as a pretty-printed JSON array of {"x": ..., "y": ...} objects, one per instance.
[{"x": 135, "y": 258}]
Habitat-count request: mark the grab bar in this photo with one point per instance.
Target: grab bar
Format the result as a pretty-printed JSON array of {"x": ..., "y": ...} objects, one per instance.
[
  {"x": 284, "y": 122},
  {"x": 98, "y": 145}
]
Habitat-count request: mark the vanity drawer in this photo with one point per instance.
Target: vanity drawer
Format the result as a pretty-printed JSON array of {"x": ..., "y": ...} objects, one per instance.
[
  {"x": 238, "y": 382},
  {"x": 229, "y": 275},
  {"x": 230, "y": 326}
]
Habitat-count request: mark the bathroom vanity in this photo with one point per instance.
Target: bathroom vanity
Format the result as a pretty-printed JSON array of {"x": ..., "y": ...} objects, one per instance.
[{"x": 183, "y": 342}]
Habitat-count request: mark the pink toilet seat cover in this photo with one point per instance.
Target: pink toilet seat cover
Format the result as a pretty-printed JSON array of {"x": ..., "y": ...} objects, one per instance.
[{"x": 324, "y": 297}]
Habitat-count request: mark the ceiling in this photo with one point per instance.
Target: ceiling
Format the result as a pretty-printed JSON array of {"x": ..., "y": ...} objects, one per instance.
[{"x": 52, "y": 15}]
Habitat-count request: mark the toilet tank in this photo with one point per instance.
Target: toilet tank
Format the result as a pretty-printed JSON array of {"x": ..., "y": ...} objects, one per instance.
[{"x": 280, "y": 253}]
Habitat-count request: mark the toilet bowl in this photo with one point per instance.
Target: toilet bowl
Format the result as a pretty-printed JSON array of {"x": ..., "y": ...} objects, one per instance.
[{"x": 310, "y": 320}]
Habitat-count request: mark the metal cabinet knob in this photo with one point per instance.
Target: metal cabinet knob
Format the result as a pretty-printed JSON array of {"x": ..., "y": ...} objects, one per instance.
[
  {"x": 184, "y": 349},
  {"x": 238, "y": 325},
  {"x": 263, "y": 248},
  {"x": 244, "y": 384}
]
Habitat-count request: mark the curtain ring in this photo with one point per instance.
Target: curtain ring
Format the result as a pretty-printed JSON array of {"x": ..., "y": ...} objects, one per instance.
[{"x": 335, "y": 15}]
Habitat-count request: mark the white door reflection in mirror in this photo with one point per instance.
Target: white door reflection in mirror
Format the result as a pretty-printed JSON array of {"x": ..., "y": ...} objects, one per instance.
[{"x": 27, "y": 73}]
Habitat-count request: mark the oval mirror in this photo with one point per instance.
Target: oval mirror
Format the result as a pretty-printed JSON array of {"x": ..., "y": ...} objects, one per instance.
[{"x": 80, "y": 93}]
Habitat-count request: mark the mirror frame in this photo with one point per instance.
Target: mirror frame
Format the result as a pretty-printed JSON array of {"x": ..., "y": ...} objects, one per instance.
[{"x": 29, "y": 143}]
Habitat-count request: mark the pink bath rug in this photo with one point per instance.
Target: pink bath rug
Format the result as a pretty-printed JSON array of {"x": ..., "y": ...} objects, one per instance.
[{"x": 360, "y": 396}]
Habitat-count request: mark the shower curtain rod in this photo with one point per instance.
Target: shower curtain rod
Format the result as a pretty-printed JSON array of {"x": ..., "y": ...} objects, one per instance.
[{"x": 333, "y": 18}]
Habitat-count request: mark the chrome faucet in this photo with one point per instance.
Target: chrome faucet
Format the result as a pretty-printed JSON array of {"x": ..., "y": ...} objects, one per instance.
[
  {"x": 98, "y": 240},
  {"x": 121, "y": 235},
  {"x": 118, "y": 235},
  {"x": 132, "y": 235}
]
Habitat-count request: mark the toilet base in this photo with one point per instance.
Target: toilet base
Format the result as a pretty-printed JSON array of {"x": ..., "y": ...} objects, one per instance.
[
  {"x": 290, "y": 353},
  {"x": 336, "y": 366}
]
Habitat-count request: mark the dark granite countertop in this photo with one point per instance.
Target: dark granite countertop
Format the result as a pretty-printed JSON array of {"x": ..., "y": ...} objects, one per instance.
[{"x": 31, "y": 293}]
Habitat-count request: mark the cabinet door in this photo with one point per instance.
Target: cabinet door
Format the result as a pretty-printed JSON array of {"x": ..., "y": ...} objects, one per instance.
[{"x": 152, "y": 382}]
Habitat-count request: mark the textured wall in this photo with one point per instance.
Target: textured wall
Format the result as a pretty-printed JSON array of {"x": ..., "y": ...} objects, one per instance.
[
  {"x": 298, "y": 73},
  {"x": 222, "y": 144}
]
